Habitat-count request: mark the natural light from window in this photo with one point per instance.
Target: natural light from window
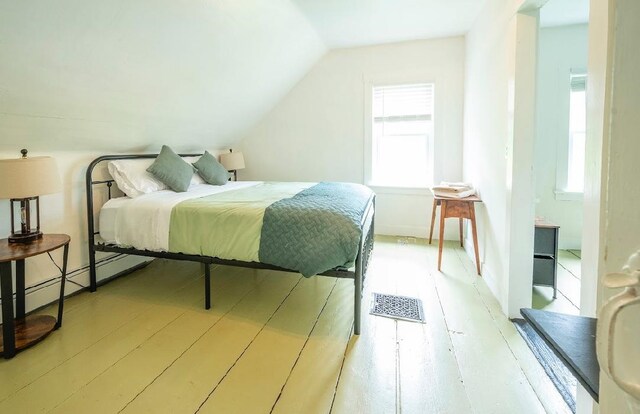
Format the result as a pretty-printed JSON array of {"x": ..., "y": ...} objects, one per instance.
[
  {"x": 402, "y": 135},
  {"x": 577, "y": 134}
]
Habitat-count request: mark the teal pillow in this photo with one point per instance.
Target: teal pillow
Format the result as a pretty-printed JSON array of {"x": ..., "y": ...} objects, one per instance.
[
  {"x": 172, "y": 170},
  {"x": 211, "y": 170}
]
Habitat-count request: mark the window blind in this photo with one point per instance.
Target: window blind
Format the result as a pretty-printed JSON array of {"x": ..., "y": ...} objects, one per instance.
[{"x": 403, "y": 103}]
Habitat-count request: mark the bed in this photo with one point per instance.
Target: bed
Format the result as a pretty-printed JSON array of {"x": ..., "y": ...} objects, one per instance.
[{"x": 321, "y": 229}]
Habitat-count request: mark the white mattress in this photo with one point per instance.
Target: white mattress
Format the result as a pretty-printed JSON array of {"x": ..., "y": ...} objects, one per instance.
[
  {"x": 108, "y": 213},
  {"x": 143, "y": 222}
]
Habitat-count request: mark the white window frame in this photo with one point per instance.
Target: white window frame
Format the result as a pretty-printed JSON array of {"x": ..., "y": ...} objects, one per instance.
[
  {"x": 562, "y": 164},
  {"x": 403, "y": 79}
]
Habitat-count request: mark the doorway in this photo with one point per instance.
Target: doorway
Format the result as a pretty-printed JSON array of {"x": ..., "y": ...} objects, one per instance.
[
  {"x": 556, "y": 156},
  {"x": 610, "y": 231},
  {"x": 559, "y": 153}
]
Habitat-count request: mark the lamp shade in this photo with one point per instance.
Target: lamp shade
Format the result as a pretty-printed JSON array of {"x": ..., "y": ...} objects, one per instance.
[
  {"x": 28, "y": 177},
  {"x": 232, "y": 161}
]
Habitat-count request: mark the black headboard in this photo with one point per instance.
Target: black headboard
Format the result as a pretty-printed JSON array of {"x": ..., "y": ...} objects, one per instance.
[{"x": 108, "y": 182}]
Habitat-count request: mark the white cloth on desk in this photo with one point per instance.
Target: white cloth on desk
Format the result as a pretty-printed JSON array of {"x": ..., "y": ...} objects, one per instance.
[{"x": 453, "y": 190}]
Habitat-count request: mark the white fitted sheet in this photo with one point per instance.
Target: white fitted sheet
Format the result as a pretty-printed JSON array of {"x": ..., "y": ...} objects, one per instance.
[
  {"x": 107, "y": 219},
  {"x": 143, "y": 222}
]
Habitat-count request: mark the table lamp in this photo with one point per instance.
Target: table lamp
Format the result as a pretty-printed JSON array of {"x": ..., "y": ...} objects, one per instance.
[
  {"x": 23, "y": 180},
  {"x": 232, "y": 161}
]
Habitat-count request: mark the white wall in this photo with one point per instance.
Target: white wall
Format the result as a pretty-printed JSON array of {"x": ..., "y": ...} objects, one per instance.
[
  {"x": 80, "y": 79},
  {"x": 560, "y": 50},
  {"x": 317, "y": 131},
  {"x": 119, "y": 75},
  {"x": 488, "y": 135},
  {"x": 520, "y": 155}
]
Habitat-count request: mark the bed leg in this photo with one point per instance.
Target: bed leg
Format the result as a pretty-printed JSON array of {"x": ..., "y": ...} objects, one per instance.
[
  {"x": 357, "y": 291},
  {"x": 207, "y": 286},
  {"x": 93, "y": 280}
]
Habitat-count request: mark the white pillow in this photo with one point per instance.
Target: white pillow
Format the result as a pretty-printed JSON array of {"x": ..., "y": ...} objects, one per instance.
[
  {"x": 132, "y": 178},
  {"x": 196, "y": 179}
]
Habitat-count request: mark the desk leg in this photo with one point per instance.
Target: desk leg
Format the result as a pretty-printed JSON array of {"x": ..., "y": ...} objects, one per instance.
[
  {"x": 8, "y": 324},
  {"x": 461, "y": 232},
  {"x": 472, "y": 211},
  {"x": 20, "y": 293},
  {"x": 555, "y": 263},
  {"x": 433, "y": 219},
  {"x": 443, "y": 214},
  {"x": 62, "y": 283}
]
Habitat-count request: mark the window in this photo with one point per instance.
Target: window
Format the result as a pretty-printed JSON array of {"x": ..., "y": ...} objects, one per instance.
[
  {"x": 577, "y": 133},
  {"x": 402, "y": 135}
]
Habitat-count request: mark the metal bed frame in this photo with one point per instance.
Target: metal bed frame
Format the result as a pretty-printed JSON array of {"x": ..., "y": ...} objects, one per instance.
[{"x": 358, "y": 274}]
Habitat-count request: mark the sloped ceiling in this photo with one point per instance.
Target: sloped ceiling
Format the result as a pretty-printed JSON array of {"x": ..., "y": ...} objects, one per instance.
[
  {"x": 129, "y": 75},
  {"x": 347, "y": 23}
]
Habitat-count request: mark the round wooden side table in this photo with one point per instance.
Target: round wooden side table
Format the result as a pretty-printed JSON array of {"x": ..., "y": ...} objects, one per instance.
[{"x": 24, "y": 331}]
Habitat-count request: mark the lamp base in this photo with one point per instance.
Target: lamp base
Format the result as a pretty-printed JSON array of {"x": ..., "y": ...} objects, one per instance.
[{"x": 24, "y": 238}]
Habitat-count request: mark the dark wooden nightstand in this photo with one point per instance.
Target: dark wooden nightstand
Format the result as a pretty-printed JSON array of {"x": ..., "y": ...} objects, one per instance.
[
  {"x": 545, "y": 255},
  {"x": 24, "y": 331}
]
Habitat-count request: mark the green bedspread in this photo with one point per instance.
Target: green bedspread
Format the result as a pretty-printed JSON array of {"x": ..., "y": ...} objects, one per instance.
[{"x": 305, "y": 227}]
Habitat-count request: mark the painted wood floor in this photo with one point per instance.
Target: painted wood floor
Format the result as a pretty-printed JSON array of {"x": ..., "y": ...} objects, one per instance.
[{"x": 278, "y": 343}]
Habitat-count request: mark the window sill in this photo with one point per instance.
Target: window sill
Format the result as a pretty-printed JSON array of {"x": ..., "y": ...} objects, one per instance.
[
  {"x": 385, "y": 189},
  {"x": 562, "y": 195}
]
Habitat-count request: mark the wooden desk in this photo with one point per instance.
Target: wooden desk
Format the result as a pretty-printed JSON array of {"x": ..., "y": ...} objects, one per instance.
[
  {"x": 573, "y": 340},
  {"x": 25, "y": 331},
  {"x": 461, "y": 208}
]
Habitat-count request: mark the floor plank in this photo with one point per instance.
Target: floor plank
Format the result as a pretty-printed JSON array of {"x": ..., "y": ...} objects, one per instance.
[
  {"x": 551, "y": 400},
  {"x": 365, "y": 386},
  {"x": 55, "y": 386},
  {"x": 575, "y": 252},
  {"x": 470, "y": 324},
  {"x": 115, "y": 387},
  {"x": 255, "y": 381},
  {"x": 570, "y": 260},
  {"x": 569, "y": 286},
  {"x": 274, "y": 342},
  {"x": 543, "y": 299},
  {"x": 95, "y": 319},
  {"x": 311, "y": 385},
  {"x": 430, "y": 379},
  {"x": 186, "y": 384}
]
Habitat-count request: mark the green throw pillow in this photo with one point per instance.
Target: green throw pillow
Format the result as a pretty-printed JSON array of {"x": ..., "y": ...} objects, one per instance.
[
  {"x": 172, "y": 170},
  {"x": 211, "y": 170}
]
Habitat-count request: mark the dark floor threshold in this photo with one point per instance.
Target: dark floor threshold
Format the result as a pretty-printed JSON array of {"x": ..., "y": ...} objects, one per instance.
[{"x": 560, "y": 376}]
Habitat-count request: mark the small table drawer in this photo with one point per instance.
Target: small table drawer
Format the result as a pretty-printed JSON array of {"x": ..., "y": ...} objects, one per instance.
[
  {"x": 544, "y": 271},
  {"x": 545, "y": 241}
]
